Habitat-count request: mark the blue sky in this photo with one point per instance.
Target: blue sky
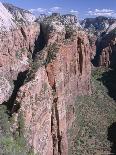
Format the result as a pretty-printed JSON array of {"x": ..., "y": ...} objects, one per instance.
[{"x": 83, "y": 8}]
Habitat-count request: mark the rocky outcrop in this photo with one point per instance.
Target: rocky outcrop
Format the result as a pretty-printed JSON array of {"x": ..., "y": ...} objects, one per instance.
[
  {"x": 98, "y": 24},
  {"x": 43, "y": 67},
  {"x": 16, "y": 45},
  {"x": 15, "y": 53},
  {"x": 20, "y": 16},
  {"x": 96, "y": 28},
  {"x": 47, "y": 101},
  {"x": 106, "y": 47}
]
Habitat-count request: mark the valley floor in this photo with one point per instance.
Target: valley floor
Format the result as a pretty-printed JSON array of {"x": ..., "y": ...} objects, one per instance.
[{"x": 92, "y": 132}]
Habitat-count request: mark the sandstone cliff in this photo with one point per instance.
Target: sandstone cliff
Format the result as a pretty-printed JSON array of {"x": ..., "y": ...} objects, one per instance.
[
  {"x": 16, "y": 46},
  {"x": 96, "y": 28},
  {"x": 62, "y": 73},
  {"x": 43, "y": 68},
  {"x": 106, "y": 46}
]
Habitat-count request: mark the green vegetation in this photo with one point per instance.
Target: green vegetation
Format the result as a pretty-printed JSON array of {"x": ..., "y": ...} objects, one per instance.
[
  {"x": 43, "y": 58},
  {"x": 70, "y": 32},
  {"x": 94, "y": 114},
  {"x": 12, "y": 143},
  {"x": 20, "y": 52},
  {"x": 52, "y": 51}
]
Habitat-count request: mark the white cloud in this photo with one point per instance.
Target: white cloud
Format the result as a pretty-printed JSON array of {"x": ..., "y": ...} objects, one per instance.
[
  {"x": 45, "y": 11},
  {"x": 102, "y": 12},
  {"x": 38, "y": 10},
  {"x": 74, "y": 11},
  {"x": 49, "y": 11},
  {"x": 56, "y": 8},
  {"x": 41, "y": 10}
]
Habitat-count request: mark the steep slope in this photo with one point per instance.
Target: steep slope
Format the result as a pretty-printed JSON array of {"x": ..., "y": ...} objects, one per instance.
[
  {"x": 20, "y": 15},
  {"x": 43, "y": 67},
  {"x": 94, "y": 127},
  {"x": 62, "y": 72},
  {"x": 45, "y": 85},
  {"x": 16, "y": 44},
  {"x": 106, "y": 47},
  {"x": 96, "y": 28},
  {"x": 6, "y": 19},
  {"x": 99, "y": 24}
]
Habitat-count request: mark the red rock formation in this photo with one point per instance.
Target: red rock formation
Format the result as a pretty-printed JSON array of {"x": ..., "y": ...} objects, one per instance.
[
  {"x": 92, "y": 40},
  {"x": 106, "y": 54},
  {"x": 60, "y": 72},
  {"x": 47, "y": 101},
  {"x": 15, "y": 48}
]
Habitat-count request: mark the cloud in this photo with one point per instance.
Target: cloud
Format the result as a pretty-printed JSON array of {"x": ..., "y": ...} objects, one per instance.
[
  {"x": 56, "y": 8},
  {"x": 38, "y": 10},
  {"x": 74, "y": 11},
  {"x": 102, "y": 12},
  {"x": 49, "y": 11}
]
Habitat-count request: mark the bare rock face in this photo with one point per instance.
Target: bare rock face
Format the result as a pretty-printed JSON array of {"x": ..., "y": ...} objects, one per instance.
[
  {"x": 21, "y": 16},
  {"x": 62, "y": 73},
  {"x": 16, "y": 45},
  {"x": 106, "y": 54},
  {"x": 96, "y": 28},
  {"x": 92, "y": 39},
  {"x": 49, "y": 85},
  {"x": 15, "y": 50},
  {"x": 98, "y": 24},
  {"x": 6, "y": 19}
]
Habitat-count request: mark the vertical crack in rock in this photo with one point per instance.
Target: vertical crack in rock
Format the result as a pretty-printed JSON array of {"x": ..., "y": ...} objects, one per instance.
[
  {"x": 79, "y": 43},
  {"x": 11, "y": 104},
  {"x": 55, "y": 127},
  {"x": 39, "y": 43},
  {"x": 23, "y": 33}
]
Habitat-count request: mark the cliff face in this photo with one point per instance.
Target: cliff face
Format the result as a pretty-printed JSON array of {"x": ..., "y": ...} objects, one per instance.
[
  {"x": 99, "y": 24},
  {"x": 47, "y": 101},
  {"x": 106, "y": 47},
  {"x": 43, "y": 68},
  {"x": 21, "y": 16},
  {"x": 15, "y": 51},
  {"x": 96, "y": 28},
  {"x": 16, "y": 45}
]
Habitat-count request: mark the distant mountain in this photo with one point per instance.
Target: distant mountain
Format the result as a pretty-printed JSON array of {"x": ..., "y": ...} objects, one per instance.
[
  {"x": 97, "y": 28},
  {"x": 97, "y": 24}
]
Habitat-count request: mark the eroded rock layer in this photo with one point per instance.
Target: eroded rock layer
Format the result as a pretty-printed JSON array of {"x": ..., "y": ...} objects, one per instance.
[
  {"x": 47, "y": 101},
  {"x": 43, "y": 67},
  {"x": 106, "y": 48},
  {"x": 15, "y": 53}
]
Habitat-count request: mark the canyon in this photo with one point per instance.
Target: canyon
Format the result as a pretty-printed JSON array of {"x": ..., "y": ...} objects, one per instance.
[{"x": 45, "y": 68}]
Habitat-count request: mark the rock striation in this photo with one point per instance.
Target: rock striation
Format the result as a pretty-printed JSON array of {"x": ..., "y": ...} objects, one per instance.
[
  {"x": 106, "y": 45},
  {"x": 96, "y": 28},
  {"x": 98, "y": 24},
  {"x": 44, "y": 67},
  {"x": 16, "y": 46},
  {"x": 62, "y": 73},
  {"x": 21, "y": 16}
]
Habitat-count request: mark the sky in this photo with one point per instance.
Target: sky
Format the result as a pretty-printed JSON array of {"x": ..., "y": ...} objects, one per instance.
[{"x": 81, "y": 8}]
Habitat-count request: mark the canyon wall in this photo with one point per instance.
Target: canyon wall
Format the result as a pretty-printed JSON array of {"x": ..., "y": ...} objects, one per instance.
[
  {"x": 16, "y": 46},
  {"x": 47, "y": 101},
  {"x": 107, "y": 50},
  {"x": 44, "y": 67},
  {"x": 102, "y": 37}
]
